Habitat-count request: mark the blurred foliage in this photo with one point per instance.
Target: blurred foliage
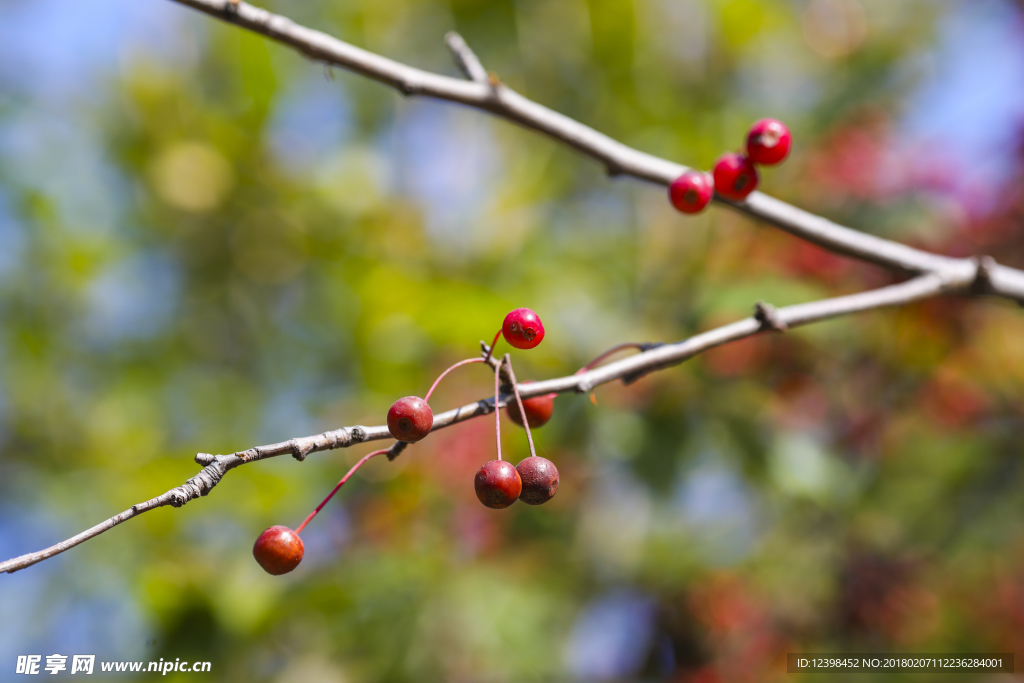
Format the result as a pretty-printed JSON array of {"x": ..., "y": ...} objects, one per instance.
[{"x": 227, "y": 245}]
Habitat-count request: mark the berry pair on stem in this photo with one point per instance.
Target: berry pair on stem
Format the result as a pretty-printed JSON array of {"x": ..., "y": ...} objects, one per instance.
[
  {"x": 535, "y": 479},
  {"x": 735, "y": 175}
]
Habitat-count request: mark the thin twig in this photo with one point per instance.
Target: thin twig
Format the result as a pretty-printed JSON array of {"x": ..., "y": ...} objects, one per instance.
[
  {"x": 465, "y": 58},
  {"x": 627, "y": 369},
  {"x": 619, "y": 159}
]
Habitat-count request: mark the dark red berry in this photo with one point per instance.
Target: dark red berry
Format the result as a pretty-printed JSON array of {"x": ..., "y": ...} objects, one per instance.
[
  {"x": 538, "y": 410},
  {"x": 540, "y": 480},
  {"x": 691, "y": 192},
  {"x": 497, "y": 484},
  {"x": 735, "y": 177},
  {"x": 278, "y": 550},
  {"x": 768, "y": 142},
  {"x": 522, "y": 329},
  {"x": 410, "y": 419}
]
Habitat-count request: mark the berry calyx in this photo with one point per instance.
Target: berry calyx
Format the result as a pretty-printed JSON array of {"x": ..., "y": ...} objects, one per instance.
[
  {"x": 522, "y": 329},
  {"x": 497, "y": 484},
  {"x": 691, "y": 192},
  {"x": 735, "y": 176},
  {"x": 410, "y": 419},
  {"x": 540, "y": 480},
  {"x": 538, "y": 410},
  {"x": 278, "y": 550},
  {"x": 768, "y": 142}
]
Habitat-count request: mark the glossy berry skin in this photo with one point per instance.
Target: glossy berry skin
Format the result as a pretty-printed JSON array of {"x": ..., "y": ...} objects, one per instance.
[
  {"x": 735, "y": 177},
  {"x": 691, "y": 192},
  {"x": 410, "y": 419},
  {"x": 522, "y": 329},
  {"x": 538, "y": 410},
  {"x": 497, "y": 484},
  {"x": 278, "y": 550},
  {"x": 540, "y": 480},
  {"x": 768, "y": 142}
]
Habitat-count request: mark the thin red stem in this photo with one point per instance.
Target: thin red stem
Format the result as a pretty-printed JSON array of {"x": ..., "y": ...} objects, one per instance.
[
  {"x": 441, "y": 376},
  {"x": 340, "y": 484},
  {"x": 604, "y": 354},
  {"x": 519, "y": 401},
  {"x": 497, "y": 417},
  {"x": 490, "y": 351}
]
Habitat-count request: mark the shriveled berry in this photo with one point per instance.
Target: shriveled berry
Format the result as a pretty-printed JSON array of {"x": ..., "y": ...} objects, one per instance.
[
  {"x": 497, "y": 484},
  {"x": 522, "y": 329},
  {"x": 410, "y": 419},
  {"x": 538, "y": 410},
  {"x": 540, "y": 480},
  {"x": 691, "y": 192},
  {"x": 768, "y": 142},
  {"x": 735, "y": 177},
  {"x": 278, "y": 550}
]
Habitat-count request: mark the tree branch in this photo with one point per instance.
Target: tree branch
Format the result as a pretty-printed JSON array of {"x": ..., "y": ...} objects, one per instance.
[
  {"x": 500, "y": 100},
  {"x": 935, "y": 274},
  {"x": 628, "y": 369}
]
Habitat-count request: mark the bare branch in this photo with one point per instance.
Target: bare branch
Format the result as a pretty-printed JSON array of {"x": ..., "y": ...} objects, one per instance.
[
  {"x": 628, "y": 369},
  {"x": 619, "y": 159}
]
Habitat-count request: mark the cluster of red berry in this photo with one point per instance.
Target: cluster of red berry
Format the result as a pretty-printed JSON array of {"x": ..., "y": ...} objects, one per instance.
[
  {"x": 498, "y": 484},
  {"x": 735, "y": 175}
]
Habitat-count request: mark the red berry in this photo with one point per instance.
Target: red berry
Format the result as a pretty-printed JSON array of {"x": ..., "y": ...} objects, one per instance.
[
  {"x": 540, "y": 480},
  {"x": 278, "y": 550},
  {"x": 691, "y": 192},
  {"x": 538, "y": 410},
  {"x": 410, "y": 419},
  {"x": 522, "y": 329},
  {"x": 497, "y": 484},
  {"x": 735, "y": 177},
  {"x": 768, "y": 142}
]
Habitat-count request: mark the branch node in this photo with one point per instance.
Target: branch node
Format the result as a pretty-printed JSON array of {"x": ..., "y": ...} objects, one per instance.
[
  {"x": 299, "y": 449},
  {"x": 250, "y": 454},
  {"x": 396, "y": 450},
  {"x": 984, "y": 267},
  {"x": 768, "y": 316},
  {"x": 204, "y": 459},
  {"x": 506, "y": 381},
  {"x": 584, "y": 387},
  {"x": 199, "y": 485}
]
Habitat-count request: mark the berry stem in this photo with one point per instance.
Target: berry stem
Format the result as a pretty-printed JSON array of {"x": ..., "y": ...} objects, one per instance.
[
  {"x": 441, "y": 376},
  {"x": 340, "y": 484},
  {"x": 490, "y": 350},
  {"x": 515, "y": 388},
  {"x": 613, "y": 350},
  {"x": 497, "y": 416}
]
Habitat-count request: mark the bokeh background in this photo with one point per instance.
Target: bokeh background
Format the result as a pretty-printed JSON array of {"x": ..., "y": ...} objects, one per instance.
[{"x": 208, "y": 242}]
